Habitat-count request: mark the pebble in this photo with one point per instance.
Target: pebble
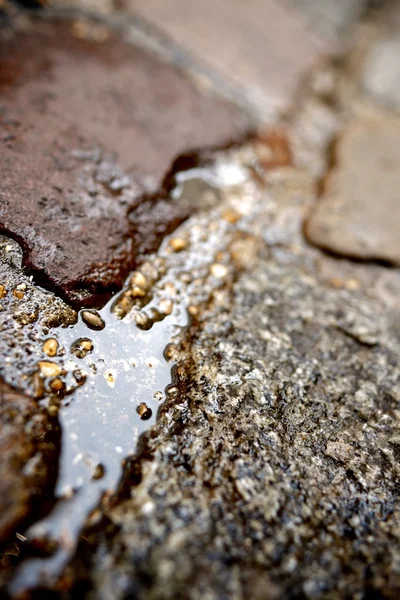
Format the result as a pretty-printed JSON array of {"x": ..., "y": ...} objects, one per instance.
[
  {"x": 53, "y": 411},
  {"x": 92, "y": 319},
  {"x": 80, "y": 376},
  {"x": 98, "y": 471},
  {"x": 231, "y": 216},
  {"x": 56, "y": 385},
  {"x": 82, "y": 347},
  {"x": 50, "y": 347},
  {"x": 3, "y": 291},
  {"x": 219, "y": 271},
  {"x": 165, "y": 307},
  {"x": 144, "y": 411},
  {"x": 178, "y": 244},
  {"x": 139, "y": 280},
  {"x": 137, "y": 292},
  {"x": 49, "y": 369}
]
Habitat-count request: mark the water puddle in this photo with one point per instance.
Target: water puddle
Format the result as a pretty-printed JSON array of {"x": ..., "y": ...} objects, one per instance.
[{"x": 110, "y": 372}]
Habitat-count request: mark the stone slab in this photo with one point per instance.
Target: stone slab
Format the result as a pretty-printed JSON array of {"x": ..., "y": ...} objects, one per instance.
[
  {"x": 359, "y": 212},
  {"x": 88, "y": 126},
  {"x": 261, "y": 46}
]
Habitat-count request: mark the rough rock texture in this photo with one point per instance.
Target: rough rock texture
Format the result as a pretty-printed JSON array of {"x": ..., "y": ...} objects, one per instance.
[
  {"x": 28, "y": 461},
  {"x": 27, "y": 313},
  {"x": 88, "y": 125},
  {"x": 276, "y": 474},
  {"x": 273, "y": 468},
  {"x": 358, "y": 214}
]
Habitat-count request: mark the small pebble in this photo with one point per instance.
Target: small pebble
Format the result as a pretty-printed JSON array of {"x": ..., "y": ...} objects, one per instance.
[
  {"x": 165, "y": 307},
  {"x": 110, "y": 376},
  {"x": 50, "y": 347},
  {"x": 138, "y": 280},
  {"x": 49, "y": 369},
  {"x": 144, "y": 411},
  {"x": 142, "y": 321},
  {"x": 38, "y": 385},
  {"x": 82, "y": 347},
  {"x": 193, "y": 310},
  {"x": 53, "y": 411},
  {"x": 98, "y": 471},
  {"x": 80, "y": 376},
  {"x": 18, "y": 294},
  {"x": 231, "y": 216},
  {"x": 56, "y": 385},
  {"x": 178, "y": 244},
  {"x": 3, "y": 291},
  {"x": 219, "y": 271},
  {"x": 92, "y": 319},
  {"x": 137, "y": 292}
]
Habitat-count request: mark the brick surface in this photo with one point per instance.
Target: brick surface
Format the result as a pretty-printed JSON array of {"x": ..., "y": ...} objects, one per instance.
[{"x": 87, "y": 127}]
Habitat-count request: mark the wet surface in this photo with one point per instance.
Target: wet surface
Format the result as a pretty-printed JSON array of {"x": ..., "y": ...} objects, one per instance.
[
  {"x": 230, "y": 419},
  {"x": 111, "y": 379},
  {"x": 88, "y": 127}
]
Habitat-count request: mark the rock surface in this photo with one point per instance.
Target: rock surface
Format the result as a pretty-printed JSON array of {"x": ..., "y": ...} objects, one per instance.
[
  {"x": 272, "y": 470},
  {"x": 275, "y": 473},
  {"x": 27, "y": 314},
  {"x": 358, "y": 214},
  {"x": 88, "y": 125},
  {"x": 29, "y": 443}
]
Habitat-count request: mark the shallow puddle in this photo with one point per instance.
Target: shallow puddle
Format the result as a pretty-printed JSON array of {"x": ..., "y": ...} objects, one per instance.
[{"x": 115, "y": 367}]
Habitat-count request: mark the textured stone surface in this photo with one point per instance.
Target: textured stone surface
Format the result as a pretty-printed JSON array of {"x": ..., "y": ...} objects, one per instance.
[
  {"x": 275, "y": 473},
  {"x": 28, "y": 461},
  {"x": 27, "y": 314},
  {"x": 358, "y": 214},
  {"x": 272, "y": 470},
  {"x": 88, "y": 125}
]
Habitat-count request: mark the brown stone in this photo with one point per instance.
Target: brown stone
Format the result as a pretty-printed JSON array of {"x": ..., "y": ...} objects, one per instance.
[
  {"x": 358, "y": 214},
  {"x": 28, "y": 459},
  {"x": 86, "y": 129}
]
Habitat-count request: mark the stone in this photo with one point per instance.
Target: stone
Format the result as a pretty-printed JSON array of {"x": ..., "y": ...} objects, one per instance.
[
  {"x": 87, "y": 128},
  {"x": 379, "y": 71},
  {"x": 273, "y": 474},
  {"x": 328, "y": 18},
  {"x": 358, "y": 214},
  {"x": 254, "y": 52},
  {"x": 29, "y": 445},
  {"x": 380, "y": 76},
  {"x": 274, "y": 466},
  {"x": 25, "y": 322}
]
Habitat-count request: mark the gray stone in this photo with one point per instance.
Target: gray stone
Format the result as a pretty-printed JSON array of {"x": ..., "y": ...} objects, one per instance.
[
  {"x": 274, "y": 473},
  {"x": 257, "y": 50},
  {"x": 358, "y": 214}
]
